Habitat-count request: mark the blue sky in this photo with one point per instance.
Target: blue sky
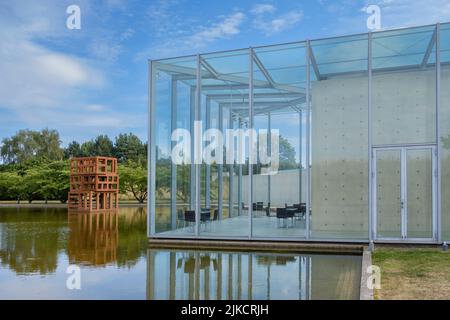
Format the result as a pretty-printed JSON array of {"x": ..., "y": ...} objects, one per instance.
[{"x": 51, "y": 76}]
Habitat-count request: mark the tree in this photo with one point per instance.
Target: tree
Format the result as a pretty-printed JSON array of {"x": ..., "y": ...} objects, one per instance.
[
  {"x": 28, "y": 144},
  {"x": 133, "y": 179},
  {"x": 128, "y": 147},
  {"x": 73, "y": 150},
  {"x": 287, "y": 155},
  {"x": 88, "y": 149},
  {"x": 48, "y": 145},
  {"x": 103, "y": 146}
]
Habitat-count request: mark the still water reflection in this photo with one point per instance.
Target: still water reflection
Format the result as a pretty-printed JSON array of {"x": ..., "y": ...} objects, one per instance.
[{"x": 37, "y": 246}]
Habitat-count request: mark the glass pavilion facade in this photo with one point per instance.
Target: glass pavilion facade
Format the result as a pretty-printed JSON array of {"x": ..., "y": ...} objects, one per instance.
[{"x": 364, "y": 140}]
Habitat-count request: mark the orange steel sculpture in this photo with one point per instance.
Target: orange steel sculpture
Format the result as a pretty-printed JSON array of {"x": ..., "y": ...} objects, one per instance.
[{"x": 94, "y": 184}]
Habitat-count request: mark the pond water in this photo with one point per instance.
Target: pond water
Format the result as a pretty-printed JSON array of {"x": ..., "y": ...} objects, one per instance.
[{"x": 110, "y": 249}]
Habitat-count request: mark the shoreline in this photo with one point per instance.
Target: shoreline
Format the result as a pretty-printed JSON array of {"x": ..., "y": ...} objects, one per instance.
[{"x": 59, "y": 205}]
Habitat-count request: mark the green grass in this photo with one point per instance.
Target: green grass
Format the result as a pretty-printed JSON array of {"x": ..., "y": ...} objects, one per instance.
[{"x": 411, "y": 273}]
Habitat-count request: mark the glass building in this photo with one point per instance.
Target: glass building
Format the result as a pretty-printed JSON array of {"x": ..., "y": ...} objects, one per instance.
[{"x": 362, "y": 147}]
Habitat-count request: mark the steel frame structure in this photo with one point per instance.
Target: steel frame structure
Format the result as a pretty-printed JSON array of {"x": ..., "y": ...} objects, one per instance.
[{"x": 299, "y": 100}]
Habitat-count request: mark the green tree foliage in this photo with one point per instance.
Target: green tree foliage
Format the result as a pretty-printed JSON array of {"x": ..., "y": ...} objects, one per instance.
[
  {"x": 100, "y": 146},
  {"x": 133, "y": 179},
  {"x": 103, "y": 146},
  {"x": 34, "y": 169},
  {"x": 42, "y": 181},
  {"x": 287, "y": 155},
  {"x": 73, "y": 150},
  {"x": 28, "y": 144},
  {"x": 128, "y": 147}
]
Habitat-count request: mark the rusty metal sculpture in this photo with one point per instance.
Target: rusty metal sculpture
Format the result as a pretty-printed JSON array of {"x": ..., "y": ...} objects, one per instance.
[{"x": 94, "y": 184}]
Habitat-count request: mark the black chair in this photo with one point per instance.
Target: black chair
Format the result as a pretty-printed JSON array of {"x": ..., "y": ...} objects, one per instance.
[
  {"x": 180, "y": 218},
  {"x": 303, "y": 209},
  {"x": 205, "y": 215},
  {"x": 259, "y": 206},
  {"x": 254, "y": 206},
  {"x": 281, "y": 214},
  {"x": 268, "y": 209},
  {"x": 216, "y": 215},
  {"x": 290, "y": 213},
  {"x": 189, "y": 217}
]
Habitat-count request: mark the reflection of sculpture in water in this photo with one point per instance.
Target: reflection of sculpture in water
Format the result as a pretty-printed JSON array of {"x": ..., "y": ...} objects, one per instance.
[{"x": 93, "y": 238}]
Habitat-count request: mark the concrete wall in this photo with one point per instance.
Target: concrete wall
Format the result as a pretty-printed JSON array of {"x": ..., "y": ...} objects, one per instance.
[
  {"x": 445, "y": 152},
  {"x": 339, "y": 169},
  {"x": 403, "y": 105},
  {"x": 403, "y": 112},
  {"x": 284, "y": 188}
]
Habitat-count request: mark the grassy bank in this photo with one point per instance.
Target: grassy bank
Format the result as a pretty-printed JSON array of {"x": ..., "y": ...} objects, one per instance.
[{"x": 411, "y": 273}]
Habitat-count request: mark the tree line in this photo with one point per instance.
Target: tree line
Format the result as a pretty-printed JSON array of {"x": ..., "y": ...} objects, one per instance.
[{"x": 35, "y": 166}]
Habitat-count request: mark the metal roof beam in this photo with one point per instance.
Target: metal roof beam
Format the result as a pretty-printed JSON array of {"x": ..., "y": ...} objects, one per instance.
[
  {"x": 263, "y": 69},
  {"x": 314, "y": 63},
  {"x": 426, "y": 57},
  {"x": 205, "y": 74}
]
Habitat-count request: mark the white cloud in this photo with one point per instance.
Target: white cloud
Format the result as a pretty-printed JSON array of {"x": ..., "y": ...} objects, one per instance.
[
  {"x": 188, "y": 38},
  {"x": 95, "y": 107},
  {"x": 45, "y": 87},
  {"x": 105, "y": 50},
  {"x": 33, "y": 76},
  {"x": 265, "y": 21},
  {"x": 227, "y": 27},
  {"x": 263, "y": 8},
  {"x": 128, "y": 33},
  {"x": 399, "y": 13}
]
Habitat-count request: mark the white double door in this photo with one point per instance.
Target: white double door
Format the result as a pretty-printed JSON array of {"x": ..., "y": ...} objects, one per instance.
[{"x": 404, "y": 187}]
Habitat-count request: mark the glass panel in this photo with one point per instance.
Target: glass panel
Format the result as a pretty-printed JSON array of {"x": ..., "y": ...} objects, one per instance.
[
  {"x": 444, "y": 117},
  {"x": 225, "y": 95},
  {"x": 340, "y": 55},
  {"x": 404, "y": 87},
  {"x": 202, "y": 275},
  {"x": 339, "y": 145},
  {"x": 388, "y": 191},
  {"x": 174, "y": 102},
  {"x": 419, "y": 186},
  {"x": 401, "y": 48},
  {"x": 279, "y": 97}
]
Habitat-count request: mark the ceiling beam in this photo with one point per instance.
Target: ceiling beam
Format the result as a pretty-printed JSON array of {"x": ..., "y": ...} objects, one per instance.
[
  {"x": 256, "y": 95},
  {"x": 430, "y": 47},
  {"x": 314, "y": 64},
  {"x": 263, "y": 69},
  {"x": 205, "y": 74},
  {"x": 278, "y": 104}
]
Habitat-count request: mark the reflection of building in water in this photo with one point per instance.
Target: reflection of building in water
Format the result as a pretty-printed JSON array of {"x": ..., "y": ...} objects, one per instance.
[
  {"x": 93, "y": 237},
  {"x": 229, "y": 276}
]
